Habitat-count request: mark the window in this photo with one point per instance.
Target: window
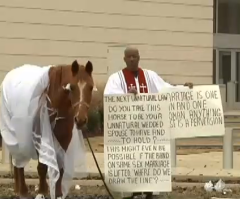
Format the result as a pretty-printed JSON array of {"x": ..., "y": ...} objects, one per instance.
[
  {"x": 224, "y": 67},
  {"x": 238, "y": 77},
  {"x": 214, "y": 16},
  {"x": 214, "y": 67},
  {"x": 227, "y": 16}
]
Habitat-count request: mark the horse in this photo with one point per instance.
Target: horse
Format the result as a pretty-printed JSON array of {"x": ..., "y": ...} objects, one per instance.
[{"x": 56, "y": 106}]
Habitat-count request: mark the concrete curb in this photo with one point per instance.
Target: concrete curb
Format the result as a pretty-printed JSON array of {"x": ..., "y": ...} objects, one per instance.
[
  {"x": 93, "y": 183},
  {"x": 31, "y": 175},
  {"x": 191, "y": 178},
  {"x": 203, "y": 179}
]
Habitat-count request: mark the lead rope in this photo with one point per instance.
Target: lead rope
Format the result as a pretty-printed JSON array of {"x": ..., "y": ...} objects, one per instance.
[{"x": 96, "y": 162}]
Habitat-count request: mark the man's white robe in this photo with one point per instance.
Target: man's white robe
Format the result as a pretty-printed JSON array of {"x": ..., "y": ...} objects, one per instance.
[{"x": 116, "y": 83}]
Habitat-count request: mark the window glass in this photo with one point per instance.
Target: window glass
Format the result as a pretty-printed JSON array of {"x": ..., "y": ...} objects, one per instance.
[{"x": 228, "y": 14}]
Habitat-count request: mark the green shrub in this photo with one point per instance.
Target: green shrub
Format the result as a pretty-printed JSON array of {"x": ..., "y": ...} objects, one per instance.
[
  {"x": 95, "y": 114},
  {"x": 94, "y": 121}
]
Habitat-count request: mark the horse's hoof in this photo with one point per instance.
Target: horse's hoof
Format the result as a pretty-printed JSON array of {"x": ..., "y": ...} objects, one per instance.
[
  {"x": 59, "y": 197},
  {"x": 40, "y": 196}
]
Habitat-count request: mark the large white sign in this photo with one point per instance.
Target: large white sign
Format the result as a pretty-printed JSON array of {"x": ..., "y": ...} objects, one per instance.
[
  {"x": 137, "y": 131},
  {"x": 195, "y": 112},
  {"x": 137, "y": 143}
]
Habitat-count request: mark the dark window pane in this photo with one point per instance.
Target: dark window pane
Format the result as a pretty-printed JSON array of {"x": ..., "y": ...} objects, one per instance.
[
  {"x": 229, "y": 16},
  {"x": 214, "y": 67},
  {"x": 214, "y": 15},
  {"x": 224, "y": 67},
  {"x": 238, "y": 78}
]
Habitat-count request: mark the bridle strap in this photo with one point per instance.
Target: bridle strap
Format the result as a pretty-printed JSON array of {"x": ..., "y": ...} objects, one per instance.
[
  {"x": 81, "y": 103},
  {"x": 55, "y": 111}
]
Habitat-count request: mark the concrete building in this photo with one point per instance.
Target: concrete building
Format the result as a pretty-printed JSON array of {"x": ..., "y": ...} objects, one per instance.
[
  {"x": 174, "y": 36},
  {"x": 226, "y": 43},
  {"x": 182, "y": 40}
]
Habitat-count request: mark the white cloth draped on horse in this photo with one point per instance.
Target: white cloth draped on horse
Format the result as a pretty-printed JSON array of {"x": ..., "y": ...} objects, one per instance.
[{"x": 20, "y": 99}]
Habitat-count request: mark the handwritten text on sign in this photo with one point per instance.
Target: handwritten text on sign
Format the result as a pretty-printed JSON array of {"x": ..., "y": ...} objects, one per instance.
[
  {"x": 195, "y": 112},
  {"x": 136, "y": 143}
]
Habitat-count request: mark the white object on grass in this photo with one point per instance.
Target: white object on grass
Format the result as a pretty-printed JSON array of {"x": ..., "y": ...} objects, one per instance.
[
  {"x": 77, "y": 187},
  {"x": 219, "y": 186},
  {"x": 40, "y": 196},
  {"x": 208, "y": 186}
]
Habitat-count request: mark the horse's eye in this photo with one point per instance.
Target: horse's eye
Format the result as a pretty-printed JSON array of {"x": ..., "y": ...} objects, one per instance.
[
  {"x": 72, "y": 87},
  {"x": 67, "y": 87}
]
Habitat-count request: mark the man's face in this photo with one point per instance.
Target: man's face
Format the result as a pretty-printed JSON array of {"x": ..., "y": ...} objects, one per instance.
[{"x": 131, "y": 59}]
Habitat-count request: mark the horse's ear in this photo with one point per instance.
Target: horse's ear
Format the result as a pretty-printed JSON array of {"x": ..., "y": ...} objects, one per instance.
[
  {"x": 89, "y": 68},
  {"x": 75, "y": 67}
]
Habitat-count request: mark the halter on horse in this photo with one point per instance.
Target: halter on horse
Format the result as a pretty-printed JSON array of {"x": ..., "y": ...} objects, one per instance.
[{"x": 67, "y": 98}]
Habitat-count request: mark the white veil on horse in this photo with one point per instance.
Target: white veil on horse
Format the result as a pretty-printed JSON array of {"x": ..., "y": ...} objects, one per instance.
[{"x": 20, "y": 94}]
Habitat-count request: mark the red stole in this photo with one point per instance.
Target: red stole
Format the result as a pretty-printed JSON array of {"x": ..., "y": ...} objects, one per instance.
[{"x": 130, "y": 80}]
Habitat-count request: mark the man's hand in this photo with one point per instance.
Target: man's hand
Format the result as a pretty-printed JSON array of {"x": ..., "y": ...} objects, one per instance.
[
  {"x": 189, "y": 84},
  {"x": 133, "y": 90}
]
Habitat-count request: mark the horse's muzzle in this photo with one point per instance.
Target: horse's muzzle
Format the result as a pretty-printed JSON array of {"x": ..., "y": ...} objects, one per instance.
[{"x": 80, "y": 123}]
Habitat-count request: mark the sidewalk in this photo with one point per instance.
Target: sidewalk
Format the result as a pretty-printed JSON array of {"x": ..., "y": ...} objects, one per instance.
[{"x": 194, "y": 167}]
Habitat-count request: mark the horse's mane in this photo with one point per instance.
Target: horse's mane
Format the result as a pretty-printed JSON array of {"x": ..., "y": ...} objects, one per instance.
[
  {"x": 60, "y": 75},
  {"x": 56, "y": 80}
]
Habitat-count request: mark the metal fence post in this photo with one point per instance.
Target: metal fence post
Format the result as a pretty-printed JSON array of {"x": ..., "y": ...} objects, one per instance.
[
  {"x": 173, "y": 152},
  {"x": 228, "y": 149},
  {"x": 231, "y": 95}
]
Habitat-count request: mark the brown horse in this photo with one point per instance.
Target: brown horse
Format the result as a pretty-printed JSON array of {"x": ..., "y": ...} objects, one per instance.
[{"x": 67, "y": 96}]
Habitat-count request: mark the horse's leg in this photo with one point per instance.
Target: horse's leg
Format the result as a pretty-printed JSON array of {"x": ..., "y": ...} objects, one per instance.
[
  {"x": 43, "y": 186},
  {"x": 16, "y": 179},
  {"x": 59, "y": 185},
  {"x": 64, "y": 142},
  {"x": 22, "y": 187},
  {"x": 64, "y": 137}
]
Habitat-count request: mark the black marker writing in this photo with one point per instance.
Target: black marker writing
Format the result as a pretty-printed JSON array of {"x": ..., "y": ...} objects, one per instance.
[{"x": 193, "y": 109}]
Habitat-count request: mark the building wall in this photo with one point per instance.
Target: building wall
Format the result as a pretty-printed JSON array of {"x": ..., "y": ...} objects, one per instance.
[{"x": 174, "y": 36}]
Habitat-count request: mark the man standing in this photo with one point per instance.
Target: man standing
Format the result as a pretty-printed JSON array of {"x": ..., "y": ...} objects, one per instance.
[{"x": 133, "y": 79}]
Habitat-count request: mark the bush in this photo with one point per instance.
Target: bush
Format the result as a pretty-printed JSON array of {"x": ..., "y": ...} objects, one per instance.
[
  {"x": 94, "y": 122},
  {"x": 95, "y": 114}
]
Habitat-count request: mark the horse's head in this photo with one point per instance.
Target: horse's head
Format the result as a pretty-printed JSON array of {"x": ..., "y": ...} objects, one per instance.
[{"x": 72, "y": 91}]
